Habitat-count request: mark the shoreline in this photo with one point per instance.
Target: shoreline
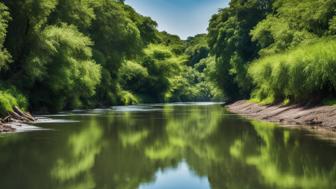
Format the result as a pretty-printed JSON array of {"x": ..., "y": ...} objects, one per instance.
[
  {"x": 16, "y": 120},
  {"x": 318, "y": 118}
]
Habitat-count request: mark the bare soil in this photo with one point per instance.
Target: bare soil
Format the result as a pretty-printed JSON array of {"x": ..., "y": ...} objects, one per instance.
[{"x": 316, "y": 117}]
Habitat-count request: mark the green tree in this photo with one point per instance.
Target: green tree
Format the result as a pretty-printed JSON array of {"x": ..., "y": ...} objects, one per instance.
[
  {"x": 76, "y": 12},
  {"x": 116, "y": 37},
  {"x": 28, "y": 20},
  {"x": 63, "y": 67},
  {"x": 231, "y": 44},
  {"x": 292, "y": 23},
  {"x": 4, "y": 19}
]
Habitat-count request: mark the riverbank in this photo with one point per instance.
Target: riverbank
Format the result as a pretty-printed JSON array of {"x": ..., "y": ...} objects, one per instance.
[
  {"x": 15, "y": 120},
  {"x": 317, "y": 117}
]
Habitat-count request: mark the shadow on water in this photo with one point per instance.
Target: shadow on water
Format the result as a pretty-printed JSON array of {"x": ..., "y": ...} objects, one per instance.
[{"x": 165, "y": 146}]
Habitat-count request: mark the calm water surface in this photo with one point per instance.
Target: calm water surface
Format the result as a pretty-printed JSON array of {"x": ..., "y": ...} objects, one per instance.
[{"x": 181, "y": 146}]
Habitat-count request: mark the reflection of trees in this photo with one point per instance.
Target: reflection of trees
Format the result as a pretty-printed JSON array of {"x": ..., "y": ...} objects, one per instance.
[
  {"x": 229, "y": 153},
  {"x": 74, "y": 170},
  {"x": 283, "y": 162},
  {"x": 122, "y": 150},
  {"x": 186, "y": 132}
]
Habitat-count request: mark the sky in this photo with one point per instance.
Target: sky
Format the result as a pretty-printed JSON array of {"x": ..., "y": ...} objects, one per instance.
[{"x": 181, "y": 17}]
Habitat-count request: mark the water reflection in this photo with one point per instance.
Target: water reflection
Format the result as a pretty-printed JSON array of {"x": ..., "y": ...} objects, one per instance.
[
  {"x": 180, "y": 177},
  {"x": 73, "y": 169},
  {"x": 165, "y": 146}
]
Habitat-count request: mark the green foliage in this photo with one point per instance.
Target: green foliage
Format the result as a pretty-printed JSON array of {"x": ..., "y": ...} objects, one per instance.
[
  {"x": 275, "y": 35},
  {"x": 73, "y": 52},
  {"x": 197, "y": 49},
  {"x": 7, "y": 102},
  {"x": 162, "y": 65},
  {"x": 84, "y": 53},
  {"x": 194, "y": 85},
  {"x": 296, "y": 63},
  {"x": 230, "y": 43},
  {"x": 308, "y": 15},
  {"x": 4, "y": 19},
  {"x": 28, "y": 19},
  {"x": 191, "y": 86},
  {"x": 173, "y": 41},
  {"x": 304, "y": 73},
  {"x": 127, "y": 98},
  {"x": 146, "y": 26},
  {"x": 292, "y": 23},
  {"x": 63, "y": 66},
  {"x": 10, "y": 97},
  {"x": 332, "y": 26},
  {"x": 133, "y": 76},
  {"x": 77, "y": 12},
  {"x": 116, "y": 37}
]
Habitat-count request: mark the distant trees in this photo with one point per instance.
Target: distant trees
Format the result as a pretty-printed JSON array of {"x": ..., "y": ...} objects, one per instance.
[{"x": 151, "y": 76}]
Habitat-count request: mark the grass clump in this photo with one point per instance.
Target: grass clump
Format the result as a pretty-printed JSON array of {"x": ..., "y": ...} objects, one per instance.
[
  {"x": 301, "y": 74},
  {"x": 10, "y": 98}
]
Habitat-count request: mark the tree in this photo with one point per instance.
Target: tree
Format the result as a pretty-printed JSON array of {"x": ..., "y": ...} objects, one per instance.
[
  {"x": 116, "y": 38},
  {"x": 62, "y": 66},
  {"x": 4, "y": 19},
  {"x": 292, "y": 23},
  {"x": 28, "y": 20},
  {"x": 231, "y": 44}
]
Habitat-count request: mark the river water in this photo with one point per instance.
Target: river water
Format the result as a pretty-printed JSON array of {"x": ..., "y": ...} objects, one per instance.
[{"x": 164, "y": 146}]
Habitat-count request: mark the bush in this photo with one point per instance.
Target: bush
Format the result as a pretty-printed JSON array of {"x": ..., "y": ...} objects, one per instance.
[
  {"x": 304, "y": 73},
  {"x": 10, "y": 98},
  {"x": 127, "y": 98},
  {"x": 133, "y": 76}
]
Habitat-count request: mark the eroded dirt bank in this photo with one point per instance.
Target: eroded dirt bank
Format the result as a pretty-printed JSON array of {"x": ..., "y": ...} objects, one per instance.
[{"x": 314, "y": 117}]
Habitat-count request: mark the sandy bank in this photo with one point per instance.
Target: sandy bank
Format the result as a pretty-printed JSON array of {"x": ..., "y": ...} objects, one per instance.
[{"x": 313, "y": 117}]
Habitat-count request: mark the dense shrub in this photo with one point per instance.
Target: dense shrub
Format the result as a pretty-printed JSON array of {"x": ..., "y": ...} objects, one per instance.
[
  {"x": 10, "y": 97},
  {"x": 4, "y": 18},
  {"x": 127, "y": 98},
  {"x": 133, "y": 76},
  {"x": 301, "y": 74}
]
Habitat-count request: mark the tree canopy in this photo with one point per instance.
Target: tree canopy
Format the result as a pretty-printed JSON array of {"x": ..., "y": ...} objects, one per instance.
[{"x": 82, "y": 54}]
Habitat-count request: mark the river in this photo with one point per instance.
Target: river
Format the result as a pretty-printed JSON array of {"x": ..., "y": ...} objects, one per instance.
[{"x": 164, "y": 146}]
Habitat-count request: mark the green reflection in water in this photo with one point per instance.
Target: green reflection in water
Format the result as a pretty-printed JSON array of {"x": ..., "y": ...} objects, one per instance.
[
  {"x": 126, "y": 150},
  {"x": 297, "y": 172},
  {"x": 74, "y": 170},
  {"x": 186, "y": 132}
]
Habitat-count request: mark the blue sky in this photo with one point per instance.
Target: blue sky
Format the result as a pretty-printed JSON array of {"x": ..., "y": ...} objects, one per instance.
[{"x": 182, "y": 17}]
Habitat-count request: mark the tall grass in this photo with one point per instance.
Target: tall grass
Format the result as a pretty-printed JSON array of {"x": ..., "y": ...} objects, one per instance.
[
  {"x": 10, "y": 98},
  {"x": 304, "y": 73}
]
